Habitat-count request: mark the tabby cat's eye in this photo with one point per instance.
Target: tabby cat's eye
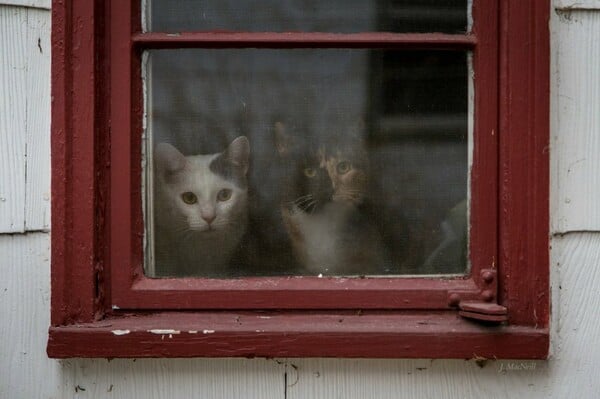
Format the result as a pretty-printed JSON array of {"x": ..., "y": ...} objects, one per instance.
[
  {"x": 224, "y": 194},
  {"x": 310, "y": 172},
  {"x": 189, "y": 198},
  {"x": 343, "y": 167}
]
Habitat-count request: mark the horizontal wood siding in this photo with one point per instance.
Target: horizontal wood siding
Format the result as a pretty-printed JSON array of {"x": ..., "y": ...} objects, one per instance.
[
  {"x": 37, "y": 186},
  {"x": 577, "y": 4},
  {"x": 576, "y": 113},
  {"x": 24, "y": 120},
  {"x": 44, "y": 4},
  {"x": 13, "y": 123},
  {"x": 183, "y": 378},
  {"x": 24, "y": 310}
]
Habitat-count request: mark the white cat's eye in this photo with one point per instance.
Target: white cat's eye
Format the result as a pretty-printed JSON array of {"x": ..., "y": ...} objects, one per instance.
[
  {"x": 343, "y": 167},
  {"x": 224, "y": 194},
  {"x": 310, "y": 172},
  {"x": 189, "y": 198}
]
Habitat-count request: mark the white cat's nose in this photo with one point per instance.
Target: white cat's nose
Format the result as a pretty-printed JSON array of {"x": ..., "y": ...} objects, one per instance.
[{"x": 208, "y": 216}]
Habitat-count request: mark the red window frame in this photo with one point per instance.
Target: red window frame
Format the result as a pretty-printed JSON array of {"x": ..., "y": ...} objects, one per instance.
[{"x": 104, "y": 306}]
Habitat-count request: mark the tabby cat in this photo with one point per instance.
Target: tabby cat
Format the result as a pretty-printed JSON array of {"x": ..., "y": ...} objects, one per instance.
[{"x": 200, "y": 209}]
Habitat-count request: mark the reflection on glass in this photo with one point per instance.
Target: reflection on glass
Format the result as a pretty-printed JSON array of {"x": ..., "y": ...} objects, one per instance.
[
  {"x": 306, "y": 162},
  {"x": 343, "y": 16}
]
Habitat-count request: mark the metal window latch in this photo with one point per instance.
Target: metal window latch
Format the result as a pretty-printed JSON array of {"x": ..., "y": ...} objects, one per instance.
[
  {"x": 482, "y": 311},
  {"x": 480, "y": 305}
]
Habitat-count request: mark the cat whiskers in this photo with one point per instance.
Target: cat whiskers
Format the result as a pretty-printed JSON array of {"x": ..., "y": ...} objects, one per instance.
[
  {"x": 313, "y": 206},
  {"x": 190, "y": 229},
  {"x": 298, "y": 201},
  {"x": 310, "y": 206},
  {"x": 182, "y": 229},
  {"x": 304, "y": 202}
]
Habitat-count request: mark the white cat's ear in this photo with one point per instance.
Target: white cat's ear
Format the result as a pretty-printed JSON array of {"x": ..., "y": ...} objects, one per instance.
[
  {"x": 168, "y": 159},
  {"x": 238, "y": 153}
]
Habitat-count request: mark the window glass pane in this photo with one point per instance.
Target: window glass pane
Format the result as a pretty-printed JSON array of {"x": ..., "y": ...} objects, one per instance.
[
  {"x": 343, "y": 16},
  {"x": 306, "y": 162}
]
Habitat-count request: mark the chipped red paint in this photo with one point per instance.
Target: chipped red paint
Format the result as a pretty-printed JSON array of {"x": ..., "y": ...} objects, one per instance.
[
  {"x": 74, "y": 172},
  {"x": 524, "y": 161},
  {"x": 132, "y": 290},
  {"x": 97, "y": 216},
  {"x": 316, "y": 334}
]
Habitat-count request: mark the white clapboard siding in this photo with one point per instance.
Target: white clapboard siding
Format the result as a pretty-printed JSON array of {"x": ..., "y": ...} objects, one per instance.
[
  {"x": 439, "y": 379},
  {"x": 13, "y": 123},
  {"x": 576, "y": 122},
  {"x": 24, "y": 119},
  {"x": 37, "y": 185},
  {"x": 176, "y": 378},
  {"x": 44, "y": 4},
  {"x": 576, "y": 257},
  {"x": 25, "y": 370},
  {"x": 577, "y": 4}
]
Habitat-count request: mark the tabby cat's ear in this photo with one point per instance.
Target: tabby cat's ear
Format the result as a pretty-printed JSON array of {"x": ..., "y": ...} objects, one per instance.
[
  {"x": 238, "y": 153},
  {"x": 168, "y": 159},
  {"x": 283, "y": 141}
]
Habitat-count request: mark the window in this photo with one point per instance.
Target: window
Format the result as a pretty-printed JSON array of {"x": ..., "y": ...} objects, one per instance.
[
  {"x": 445, "y": 135},
  {"x": 343, "y": 146}
]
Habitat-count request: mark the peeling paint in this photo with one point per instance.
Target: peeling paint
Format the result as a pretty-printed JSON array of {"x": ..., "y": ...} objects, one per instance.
[
  {"x": 164, "y": 332},
  {"x": 120, "y": 332},
  {"x": 208, "y": 331},
  {"x": 193, "y": 332}
]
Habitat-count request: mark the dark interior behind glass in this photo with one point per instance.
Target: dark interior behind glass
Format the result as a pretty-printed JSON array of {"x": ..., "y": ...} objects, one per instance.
[
  {"x": 343, "y": 16},
  {"x": 401, "y": 117}
]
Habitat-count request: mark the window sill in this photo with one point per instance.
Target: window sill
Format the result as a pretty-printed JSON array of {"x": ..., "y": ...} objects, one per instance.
[{"x": 372, "y": 334}]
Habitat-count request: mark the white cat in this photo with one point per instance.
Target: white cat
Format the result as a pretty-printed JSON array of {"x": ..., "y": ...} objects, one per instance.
[{"x": 200, "y": 209}]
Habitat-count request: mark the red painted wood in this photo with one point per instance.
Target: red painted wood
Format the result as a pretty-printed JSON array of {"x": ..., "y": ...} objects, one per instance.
[
  {"x": 295, "y": 292},
  {"x": 131, "y": 290},
  {"x": 125, "y": 205},
  {"x": 303, "y": 40},
  {"x": 483, "y": 207},
  {"x": 60, "y": 151},
  {"x": 483, "y": 317},
  {"x": 482, "y": 307},
  {"x": 524, "y": 160},
  {"x": 73, "y": 150},
  {"x": 249, "y": 334},
  {"x": 103, "y": 156},
  {"x": 94, "y": 267}
]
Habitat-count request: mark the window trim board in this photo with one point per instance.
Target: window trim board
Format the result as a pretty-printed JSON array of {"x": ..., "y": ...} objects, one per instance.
[
  {"x": 297, "y": 334},
  {"x": 83, "y": 323},
  {"x": 131, "y": 289}
]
